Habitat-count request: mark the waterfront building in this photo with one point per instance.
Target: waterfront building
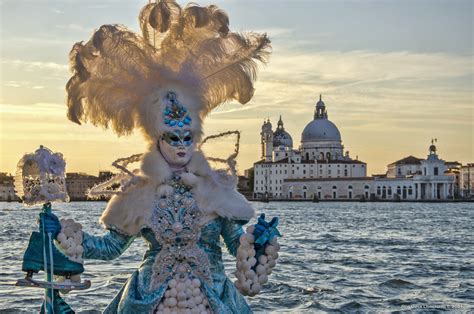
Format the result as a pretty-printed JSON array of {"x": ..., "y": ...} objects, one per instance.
[
  {"x": 321, "y": 169},
  {"x": 7, "y": 188},
  {"x": 466, "y": 181},
  {"x": 318, "y": 168},
  {"x": 78, "y": 184},
  {"x": 413, "y": 178}
]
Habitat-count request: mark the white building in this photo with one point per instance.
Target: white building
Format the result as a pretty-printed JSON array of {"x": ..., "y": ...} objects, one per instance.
[
  {"x": 413, "y": 178},
  {"x": 319, "y": 162},
  {"x": 466, "y": 181},
  {"x": 319, "y": 168},
  {"x": 7, "y": 188}
]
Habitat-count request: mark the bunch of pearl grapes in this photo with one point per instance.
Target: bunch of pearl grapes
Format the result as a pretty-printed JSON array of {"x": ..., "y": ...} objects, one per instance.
[
  {"x": 252, "y": 274},
  {"x": 70, "y": 240},
  {"x": 184, "y": 296}
]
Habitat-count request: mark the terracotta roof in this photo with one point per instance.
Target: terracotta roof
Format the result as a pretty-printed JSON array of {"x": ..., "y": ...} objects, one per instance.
[{"x": 410, "y": 160}]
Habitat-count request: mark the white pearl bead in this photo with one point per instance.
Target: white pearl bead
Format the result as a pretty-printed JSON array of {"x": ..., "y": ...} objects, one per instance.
[
  {"x": 250, "y": 274},
  {"x": 256, "y": 288},
  {"x": 172, "y": 283},
  {"x": 270, "y": 249},
  {"x": 252, "y": 261},
  {"x": 250, "y": 237},
  {"x": 196, "y": 283},
  {"x": 262, "y": 279},
  {"x": 79, "y": 250},
  {"x": 181, "y": 296},
  {"x": 262, "y": 259},
  {"x": 173, "y": 292},
  {"x": 251, "y": 252},
  {"x": 242, "y": 254},
  {"x": 250, "y": 229},
  {"x": 197, "y": 300},
  {"x": 196, "y": 292},
  {"x": 171, "y": 302},
  {"x": 261, "y": 270},
  {"x": 271, "y": 263},
  {"x": 183, "y": 304},
  {"x": 61, "y": 237}
]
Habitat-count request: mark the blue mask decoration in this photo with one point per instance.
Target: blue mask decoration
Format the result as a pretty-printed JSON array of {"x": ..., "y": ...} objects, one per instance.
[
  {"x": 175, "y": 114},
  {"x": 178, "y": 138}
]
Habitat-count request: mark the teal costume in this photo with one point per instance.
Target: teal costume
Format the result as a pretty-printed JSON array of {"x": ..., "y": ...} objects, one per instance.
[{"x": 178, "y": 235}]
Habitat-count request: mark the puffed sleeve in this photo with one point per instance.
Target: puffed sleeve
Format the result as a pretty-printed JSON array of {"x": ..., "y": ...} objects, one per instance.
[
  {"x": 231, "y": 232},
  {"x": 106, "y": 247}
]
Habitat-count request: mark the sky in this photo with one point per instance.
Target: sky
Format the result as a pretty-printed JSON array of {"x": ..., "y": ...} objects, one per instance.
[{"x": 393, "y": 75}]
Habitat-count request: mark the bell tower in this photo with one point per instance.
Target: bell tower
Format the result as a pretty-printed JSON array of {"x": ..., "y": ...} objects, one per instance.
[{"x": 266, "y": 137}]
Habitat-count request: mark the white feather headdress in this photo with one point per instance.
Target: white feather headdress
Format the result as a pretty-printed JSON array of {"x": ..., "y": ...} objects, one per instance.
[{"x": 121, "y": 79}]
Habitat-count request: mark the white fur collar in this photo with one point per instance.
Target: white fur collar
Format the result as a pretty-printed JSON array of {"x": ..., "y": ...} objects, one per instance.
[{"x": 214, "y": 192}]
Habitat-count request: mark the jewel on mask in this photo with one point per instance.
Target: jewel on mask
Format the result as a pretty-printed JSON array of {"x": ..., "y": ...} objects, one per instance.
[{"x": 175, "y": 113}]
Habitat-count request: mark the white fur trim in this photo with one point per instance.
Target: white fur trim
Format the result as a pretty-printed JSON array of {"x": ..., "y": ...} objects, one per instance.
[
  {"x": 189, "y": 179},
  {"x": 129, "y": 211}
]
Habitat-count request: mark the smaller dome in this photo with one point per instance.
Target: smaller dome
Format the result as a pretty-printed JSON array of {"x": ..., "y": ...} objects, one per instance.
[{"x": 282, "y": 138}]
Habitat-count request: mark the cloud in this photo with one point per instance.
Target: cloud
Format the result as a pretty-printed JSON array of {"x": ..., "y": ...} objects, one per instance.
[
  {"x": 75, "y": 27},
  {"x": 35, "y": 65}
]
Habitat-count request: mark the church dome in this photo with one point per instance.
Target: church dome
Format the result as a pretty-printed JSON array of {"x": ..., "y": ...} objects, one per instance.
[
  {"x": 320, "y": 130},
  {"x": 281, "y": 137}
]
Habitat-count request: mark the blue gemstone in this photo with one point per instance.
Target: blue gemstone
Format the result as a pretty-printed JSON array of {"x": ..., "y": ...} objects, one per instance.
[
  {"x": 190, "y": 119},
  {"x": 180, "y": 124},
  {"x": 173, "y": 122},
  {"x": 167, "y": 121}
]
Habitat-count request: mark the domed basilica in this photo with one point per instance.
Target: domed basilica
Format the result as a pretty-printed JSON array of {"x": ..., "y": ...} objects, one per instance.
[
  {"x": 319, "y": 156},
  {"x": 319, "y": 168}
]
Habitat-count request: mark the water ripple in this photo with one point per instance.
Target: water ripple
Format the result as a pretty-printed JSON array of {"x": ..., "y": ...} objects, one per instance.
[{"x": 335, "y": 258}]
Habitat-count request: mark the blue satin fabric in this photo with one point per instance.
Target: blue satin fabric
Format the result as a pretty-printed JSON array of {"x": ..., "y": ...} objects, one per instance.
[{"x": 136, "y": 295}]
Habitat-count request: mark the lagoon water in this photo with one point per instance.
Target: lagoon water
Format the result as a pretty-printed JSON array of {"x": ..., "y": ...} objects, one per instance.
[{"x": 335, "y": 257}]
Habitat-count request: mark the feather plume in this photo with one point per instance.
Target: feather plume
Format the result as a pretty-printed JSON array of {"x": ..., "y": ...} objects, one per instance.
[{"x": 119, "y": 77}]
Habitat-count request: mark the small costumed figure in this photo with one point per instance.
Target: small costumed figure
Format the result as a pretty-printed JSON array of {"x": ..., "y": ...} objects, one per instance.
[{"x": 164, "y": 82}]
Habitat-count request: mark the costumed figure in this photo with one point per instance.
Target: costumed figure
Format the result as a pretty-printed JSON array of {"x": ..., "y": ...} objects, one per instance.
[{"x": 185, "y": 63}]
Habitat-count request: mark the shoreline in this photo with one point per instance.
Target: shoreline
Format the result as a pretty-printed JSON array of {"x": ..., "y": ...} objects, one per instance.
[{"x": 318, "y": 201}]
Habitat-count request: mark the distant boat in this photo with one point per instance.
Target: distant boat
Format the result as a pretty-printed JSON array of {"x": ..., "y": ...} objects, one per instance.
[{"x": 315, "y": 199}]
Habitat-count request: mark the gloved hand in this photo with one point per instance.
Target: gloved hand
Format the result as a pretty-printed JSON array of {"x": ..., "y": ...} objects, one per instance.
[
  {"x": 264, "y": 232},
  {"x": 49, "y": 221}
]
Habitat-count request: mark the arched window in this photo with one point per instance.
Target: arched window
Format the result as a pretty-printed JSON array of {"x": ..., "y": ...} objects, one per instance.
[
  {"x": 389, "y": 190},
  {"x": 350, "y": 187},
  {"x": 366, "y": 187},
  {"x": 334, "y": 187},
  {"x": 304, "y": 187},
  {"x": 378, "y": 190},
  {"x": 328, "y": 156},
  {"x": 399, "y": 190}
]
